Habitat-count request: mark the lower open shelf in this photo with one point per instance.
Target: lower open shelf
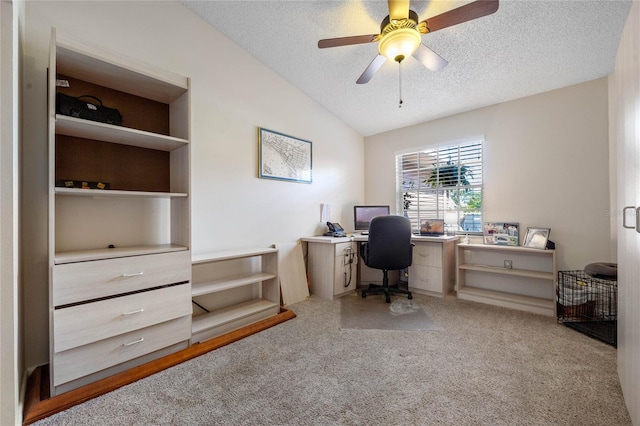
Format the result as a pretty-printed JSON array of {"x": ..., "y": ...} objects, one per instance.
[
  {"x": 508, "y": 300},
  {"x": 222, "y": 321}
]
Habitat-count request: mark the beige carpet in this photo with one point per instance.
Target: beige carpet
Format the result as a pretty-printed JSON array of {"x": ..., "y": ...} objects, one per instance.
[{"x": 485, "y": 366}]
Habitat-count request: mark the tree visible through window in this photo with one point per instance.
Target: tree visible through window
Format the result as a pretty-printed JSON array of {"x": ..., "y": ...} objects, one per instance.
[{"x": 442, "y": 183}]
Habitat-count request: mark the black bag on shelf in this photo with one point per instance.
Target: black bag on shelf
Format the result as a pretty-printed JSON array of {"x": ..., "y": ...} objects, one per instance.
[{"x": 94, "y": 111}]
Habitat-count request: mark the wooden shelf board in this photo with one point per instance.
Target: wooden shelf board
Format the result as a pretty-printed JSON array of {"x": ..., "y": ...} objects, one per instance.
[
  {"x": 513, "y": 272},
  {"x": 229, "y": 255},
  {"x": 516, "y": 249},
  {"x": 107, "y": 253},
  {"x": 473, "y": 293},
  {"x": 39, "y": 405},
  {"x": 219, "y": 317},
  {"x": 111, "y": 69},
  {"x": 79, "y": 192},
  {"x": 198, "y": 289},
  {"x": 87, "y": 129}
]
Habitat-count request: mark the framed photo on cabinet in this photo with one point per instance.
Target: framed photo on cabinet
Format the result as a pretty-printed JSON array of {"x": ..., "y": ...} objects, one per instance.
[
  {"x": 500, "y": 233},
  {"x": 537, "y": 238}
]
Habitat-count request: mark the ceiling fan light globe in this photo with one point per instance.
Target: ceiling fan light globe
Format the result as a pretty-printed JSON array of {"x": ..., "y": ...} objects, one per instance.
[{"x": 399, "y": 42}]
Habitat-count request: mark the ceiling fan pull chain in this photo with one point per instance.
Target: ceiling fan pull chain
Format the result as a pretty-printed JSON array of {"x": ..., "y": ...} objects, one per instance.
[{"x": 400, "y": 83}]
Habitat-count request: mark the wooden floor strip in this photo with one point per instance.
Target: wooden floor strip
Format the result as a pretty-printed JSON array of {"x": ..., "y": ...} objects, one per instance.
[{"x": 38, "y": 406}]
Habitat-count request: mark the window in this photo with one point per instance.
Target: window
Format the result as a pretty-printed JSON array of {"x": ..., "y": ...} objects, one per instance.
[{"x": 442, "y": 183}]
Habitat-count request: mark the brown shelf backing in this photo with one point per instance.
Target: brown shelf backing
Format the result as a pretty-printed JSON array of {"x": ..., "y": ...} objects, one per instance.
[
  {"x": 137, "y": 112},
  {"x": 125, "y": 167}
]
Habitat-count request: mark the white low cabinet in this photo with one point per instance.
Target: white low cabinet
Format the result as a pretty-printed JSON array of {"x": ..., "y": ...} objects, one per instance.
[
  {"x": 332, "y": 266},
  {"x": 529, "y": 285}
]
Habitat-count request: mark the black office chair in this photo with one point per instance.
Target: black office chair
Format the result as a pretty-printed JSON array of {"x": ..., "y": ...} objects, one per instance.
[{"x": 389, "y": 248}]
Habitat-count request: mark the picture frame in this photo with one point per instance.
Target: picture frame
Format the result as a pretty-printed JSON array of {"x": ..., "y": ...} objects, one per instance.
[
  {"x": 536, "y": 238},
  {"x": 284, "y": 157},
  {"x": 500, "y": 233}
]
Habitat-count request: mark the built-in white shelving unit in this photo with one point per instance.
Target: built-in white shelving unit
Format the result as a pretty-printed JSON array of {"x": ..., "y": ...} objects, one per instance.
[
  {"x": 120, "y": 290},
  {"x": 529, "y": 284},
  {"x": 228, "y": 300}
]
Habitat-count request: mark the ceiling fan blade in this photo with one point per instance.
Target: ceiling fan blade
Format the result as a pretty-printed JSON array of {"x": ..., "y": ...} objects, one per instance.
[
  {"x": 429, "y": 58},
  {"x": 346, "y": 41},
  {"x": 465, "y": 13},
  {"x": 398, "y": 9},
  {"x": 373, "y": 67}
]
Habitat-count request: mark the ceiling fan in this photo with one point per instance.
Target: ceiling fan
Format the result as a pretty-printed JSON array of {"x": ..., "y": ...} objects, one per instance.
[{"x": 401, "y": 31}]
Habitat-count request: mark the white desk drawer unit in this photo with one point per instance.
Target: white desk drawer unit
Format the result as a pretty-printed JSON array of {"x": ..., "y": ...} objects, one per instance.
[
  {"x": 428, "y": 254},
  {"x": 432, "y": 270},
  {"x": 426, "y": 278},
  {"x": 86, "y": 323},
  {"x": 77, "y": 282},
  {"x": 84, "y": 360}
]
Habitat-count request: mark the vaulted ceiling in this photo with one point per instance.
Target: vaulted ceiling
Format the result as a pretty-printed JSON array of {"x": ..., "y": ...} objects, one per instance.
[{"x": 526, "y": 47}]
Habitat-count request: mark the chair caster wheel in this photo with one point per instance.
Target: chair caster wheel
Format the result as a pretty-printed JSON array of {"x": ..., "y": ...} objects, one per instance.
[
  {"x": 388, "y": 299},
  {"x": 364, "y": 294},
  {"x": 409, "y": 296}
]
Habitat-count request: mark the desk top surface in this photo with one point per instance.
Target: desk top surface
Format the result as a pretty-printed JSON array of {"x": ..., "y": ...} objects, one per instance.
[{"x": 360, "y": 237}]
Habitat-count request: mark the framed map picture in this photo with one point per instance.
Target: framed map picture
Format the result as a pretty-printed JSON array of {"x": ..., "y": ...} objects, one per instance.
[{"x": 283, "y": 157}]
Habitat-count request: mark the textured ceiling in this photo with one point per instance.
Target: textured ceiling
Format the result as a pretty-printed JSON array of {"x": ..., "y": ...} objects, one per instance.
[{"x": 526, "y": 47}]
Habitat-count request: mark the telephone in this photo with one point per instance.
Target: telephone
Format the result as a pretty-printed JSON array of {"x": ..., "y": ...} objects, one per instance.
[{"x": 335, "y": 230}]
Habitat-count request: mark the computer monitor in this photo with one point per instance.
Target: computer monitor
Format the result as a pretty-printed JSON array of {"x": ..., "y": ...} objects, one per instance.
[
  {"x": 362, "y": 216},
  {"x": 432, "y": 227}
]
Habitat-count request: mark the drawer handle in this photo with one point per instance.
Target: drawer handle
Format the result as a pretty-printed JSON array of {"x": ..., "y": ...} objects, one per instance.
[
  {"x": 135, "y": 342},
  {"x": 424, "y": 254},
  {"x": 134, "y": 274},
  {"x": 137, "y": 311}
]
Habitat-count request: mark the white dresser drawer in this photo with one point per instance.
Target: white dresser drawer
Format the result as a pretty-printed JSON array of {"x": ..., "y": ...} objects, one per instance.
[
  {"x": 427, "y": 254},
  {"x": 82, "y": 324},
  {"x": 78, "y": 362},
  {"x": 77, "y": 282},
  {"x": 426, "y": 278}
]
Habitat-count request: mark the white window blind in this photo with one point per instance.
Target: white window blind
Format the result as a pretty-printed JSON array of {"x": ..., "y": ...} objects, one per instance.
[{"x": 442, "y": 183}]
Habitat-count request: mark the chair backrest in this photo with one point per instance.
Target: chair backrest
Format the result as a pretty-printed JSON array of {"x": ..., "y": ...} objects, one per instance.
[{"x": 389, "y": 245}]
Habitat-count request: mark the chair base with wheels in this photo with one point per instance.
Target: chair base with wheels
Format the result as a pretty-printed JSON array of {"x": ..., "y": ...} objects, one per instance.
[{"x": 385, "y": 289}]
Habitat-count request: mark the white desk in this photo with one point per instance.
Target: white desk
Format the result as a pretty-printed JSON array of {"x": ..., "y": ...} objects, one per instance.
[{"x": 432, "y": 271}]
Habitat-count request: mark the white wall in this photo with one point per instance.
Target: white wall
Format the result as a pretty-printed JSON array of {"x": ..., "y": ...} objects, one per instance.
[
  {"x": 232, "y": 94},
  {"x": 545, "y": 165},
  {"x": 624, "y": 110},
  {"x": 10, "y": 343}
]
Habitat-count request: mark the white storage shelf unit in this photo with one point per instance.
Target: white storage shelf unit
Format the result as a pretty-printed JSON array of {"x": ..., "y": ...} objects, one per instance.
[
  {"x": 120, "y": 261},
  {"x": 529, "y": 285},
  {"x": 145, "y": 217},
  {"x": 237, "y": 288}
]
